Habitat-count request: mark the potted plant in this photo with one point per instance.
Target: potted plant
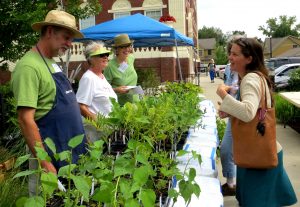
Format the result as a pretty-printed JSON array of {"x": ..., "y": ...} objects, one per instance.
[{"x": 167, "y": 18}]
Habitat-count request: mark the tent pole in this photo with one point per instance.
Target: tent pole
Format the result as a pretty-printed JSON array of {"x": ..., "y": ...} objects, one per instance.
[{"x": 178, "y": 62}]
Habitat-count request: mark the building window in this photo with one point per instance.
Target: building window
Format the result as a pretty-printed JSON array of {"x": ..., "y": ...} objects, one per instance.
[
  {"x": 209, "y": 52},
  {"x": 200, "y": 52},
  {"x": 121, "y": 14},
  {"x": 154, "y": 14},
  {"x": 88, "y": 22}
]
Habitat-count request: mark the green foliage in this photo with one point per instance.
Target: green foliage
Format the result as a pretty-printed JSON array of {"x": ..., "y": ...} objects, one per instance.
[
  {"x": 221, "y": 56},
  {"x": 294, "y": 81},
  {"x": 11, "y": 189},
  {"x": 212, "y": 32},
  {"x": 9, "y": 110},
  {"x": 148, "y": 78},
  {"x": 284, "y": 110},
  {"x": 221, "y": 126},
  {"x": 126, "y": 180},
  {"x": 17, "y": 16},
  {"x": 281, "y": 27},
  {"x": 144, "y": 170}
]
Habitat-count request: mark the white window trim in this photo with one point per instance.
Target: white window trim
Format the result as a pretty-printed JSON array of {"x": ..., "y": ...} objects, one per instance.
[{"x": 80, "y": 20}]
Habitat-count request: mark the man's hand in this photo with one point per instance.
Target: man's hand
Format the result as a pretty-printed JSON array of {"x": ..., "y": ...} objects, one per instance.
[{"x": 48, "y": 167}]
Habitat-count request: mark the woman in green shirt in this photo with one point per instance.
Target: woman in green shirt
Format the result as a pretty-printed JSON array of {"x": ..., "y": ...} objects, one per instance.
[{"x": 120, "y": 72}]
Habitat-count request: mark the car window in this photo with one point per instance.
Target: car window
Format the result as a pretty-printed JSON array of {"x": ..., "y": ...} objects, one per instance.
[
  {"x": 289, "y": 70},
  {"x": 281, "y": 62}
]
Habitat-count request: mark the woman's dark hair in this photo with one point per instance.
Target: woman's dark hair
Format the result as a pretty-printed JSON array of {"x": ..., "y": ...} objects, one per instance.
[{"x": 251, "y": 47}]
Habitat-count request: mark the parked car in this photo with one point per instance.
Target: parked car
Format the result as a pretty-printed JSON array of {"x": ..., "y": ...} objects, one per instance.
[
  {"x": 218, "y": 68},
  {"x": 222, "y": 73},
  {"x": 274, "y": 63},
  {"x": 282, "y": 74},
  {"x": 203, "y": 68}
]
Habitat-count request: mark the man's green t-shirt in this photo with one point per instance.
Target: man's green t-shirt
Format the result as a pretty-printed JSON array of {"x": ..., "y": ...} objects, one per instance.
[
  {"x": 32, "y": 83},
  {"x": 118, "y": 77}
]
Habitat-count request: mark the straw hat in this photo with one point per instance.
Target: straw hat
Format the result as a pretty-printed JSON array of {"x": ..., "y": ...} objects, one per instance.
[
  {"x": 122, "y": 40},
  {"x": 60, "y": 19}
]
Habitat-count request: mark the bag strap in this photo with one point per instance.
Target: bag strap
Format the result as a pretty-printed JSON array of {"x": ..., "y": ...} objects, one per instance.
[{"x": 264, "y": 99}]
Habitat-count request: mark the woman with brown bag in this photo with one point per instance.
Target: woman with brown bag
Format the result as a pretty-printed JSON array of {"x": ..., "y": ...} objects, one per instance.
[{"x": 257, "y": 185}]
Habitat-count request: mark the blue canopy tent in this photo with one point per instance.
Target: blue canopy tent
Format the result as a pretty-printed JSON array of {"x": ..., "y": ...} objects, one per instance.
[{"x": 145, "y": 31}]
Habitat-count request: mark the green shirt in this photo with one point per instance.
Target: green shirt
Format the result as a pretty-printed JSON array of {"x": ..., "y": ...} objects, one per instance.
[
  {"x": 117, "y": 78},
  {"x": 32, "y": 83}
]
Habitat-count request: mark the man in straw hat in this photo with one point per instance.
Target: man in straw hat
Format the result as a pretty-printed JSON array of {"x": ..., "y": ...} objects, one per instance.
[
  {"x": 46, "y": 103},
  {"x": 120, "y": 72}
]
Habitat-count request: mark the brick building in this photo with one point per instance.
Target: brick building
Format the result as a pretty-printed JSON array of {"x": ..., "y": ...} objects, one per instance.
[{"x": 163, "y": 60}]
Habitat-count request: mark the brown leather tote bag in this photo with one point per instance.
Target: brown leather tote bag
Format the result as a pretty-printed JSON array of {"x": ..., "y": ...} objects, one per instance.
[{"x": 251, "y": 147}]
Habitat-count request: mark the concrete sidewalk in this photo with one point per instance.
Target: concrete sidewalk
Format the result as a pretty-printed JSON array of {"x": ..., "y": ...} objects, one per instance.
[{"x": 288, "y": 138}]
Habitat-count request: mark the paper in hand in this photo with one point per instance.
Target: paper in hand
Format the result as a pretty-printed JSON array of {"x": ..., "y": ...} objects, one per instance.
[{"x": 135, "y": 90}]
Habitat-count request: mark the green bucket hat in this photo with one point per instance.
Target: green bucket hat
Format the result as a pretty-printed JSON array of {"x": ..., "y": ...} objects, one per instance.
[{"x": 122, "y": 40}]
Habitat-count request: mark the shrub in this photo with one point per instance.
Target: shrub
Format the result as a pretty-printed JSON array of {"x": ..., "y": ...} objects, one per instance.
[
  {"x": 294, "y": 81},
  {"x": 284, "y": 109}
]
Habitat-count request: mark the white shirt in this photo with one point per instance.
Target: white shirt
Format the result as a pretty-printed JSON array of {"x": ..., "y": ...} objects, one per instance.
[{"x": 95, "y": 92}]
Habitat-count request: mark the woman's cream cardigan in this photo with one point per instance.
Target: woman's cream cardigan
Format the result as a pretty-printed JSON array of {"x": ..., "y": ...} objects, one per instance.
[{"x": 250, "y": 93}]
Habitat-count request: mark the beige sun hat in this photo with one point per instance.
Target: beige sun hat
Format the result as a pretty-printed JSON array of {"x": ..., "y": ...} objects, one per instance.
[
  {"x": 122, "y": 40},
  {"x": 60, "y": 19}
]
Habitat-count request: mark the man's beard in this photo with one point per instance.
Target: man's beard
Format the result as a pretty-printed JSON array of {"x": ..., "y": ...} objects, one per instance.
[{"x": 62, "y": 52}]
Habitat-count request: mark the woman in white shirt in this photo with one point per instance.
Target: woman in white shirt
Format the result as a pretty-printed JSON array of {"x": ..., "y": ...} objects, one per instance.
[{"x": 94, "y": 91}]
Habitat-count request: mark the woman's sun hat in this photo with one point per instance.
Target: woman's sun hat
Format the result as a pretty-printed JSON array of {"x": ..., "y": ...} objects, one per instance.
[
  {"x": 60, "y": 19},
  {"x": 100, "y": 51},
  {"x": 122, "y": 40}
]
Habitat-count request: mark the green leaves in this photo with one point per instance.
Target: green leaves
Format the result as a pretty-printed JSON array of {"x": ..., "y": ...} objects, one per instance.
[
  {"x": 36, "y": 201},
  {"x": 49, "y": 182},
  {"x": 21, "y": 160},
  {"x": 82, "y": 185},
  {"x": 25, "y": 173},
  {"x": 148, "y": 197},
  {"x": 75, "y": 141},
  {"x": 50, "y": 144},
  {"x": 123, "y": 166},
  {"x": 42, "y": 154},
  {"x": 105, "y": 193},
  {"x": 64, "y": 171}
]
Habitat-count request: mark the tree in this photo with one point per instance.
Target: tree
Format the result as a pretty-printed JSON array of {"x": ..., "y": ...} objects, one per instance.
[
  {"x": 212, "y": 32},
  {"x": 18, "y": 15},
  {"x": 221, "y": 56},
  {"x": 281, "y": 27}
]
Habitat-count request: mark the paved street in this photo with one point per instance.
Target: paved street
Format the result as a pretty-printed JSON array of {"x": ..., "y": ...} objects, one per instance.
[{"x": 289, "y": 139}]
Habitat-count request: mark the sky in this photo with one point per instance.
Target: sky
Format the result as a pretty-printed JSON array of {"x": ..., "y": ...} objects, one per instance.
[{"x": 242, "y": 15}]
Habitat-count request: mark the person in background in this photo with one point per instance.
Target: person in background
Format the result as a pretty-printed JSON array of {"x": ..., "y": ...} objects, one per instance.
[
  {"x": 46, "y": 103},
  {"x": 212, "y": 70},
  {"x": 120, "y": 71},
  {"x": 228, "y": 166},
  {"x": 94, "y": 92},
  {"x": 262, "y": 187}
]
